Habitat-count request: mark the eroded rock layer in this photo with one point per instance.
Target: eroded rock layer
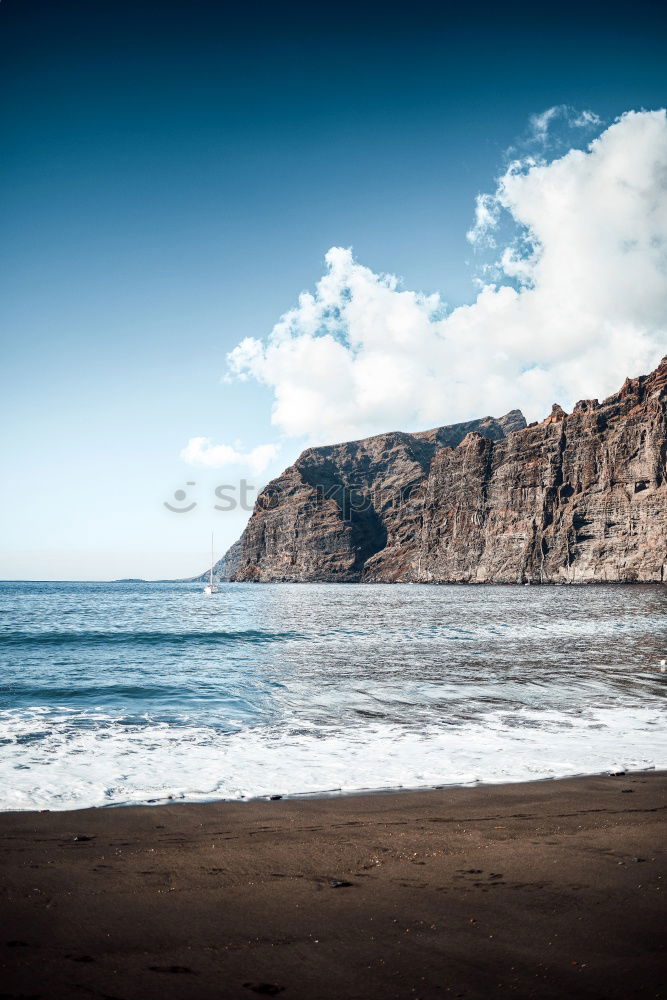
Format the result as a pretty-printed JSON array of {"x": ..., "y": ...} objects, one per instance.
[{"x": 580, "y": 497}]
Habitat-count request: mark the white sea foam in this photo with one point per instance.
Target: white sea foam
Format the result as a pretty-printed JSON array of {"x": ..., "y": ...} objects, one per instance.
[{"x": 63, "y": 759}]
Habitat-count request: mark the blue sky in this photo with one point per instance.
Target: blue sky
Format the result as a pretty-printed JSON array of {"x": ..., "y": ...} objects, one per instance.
[{"x": 173, "y": 176}]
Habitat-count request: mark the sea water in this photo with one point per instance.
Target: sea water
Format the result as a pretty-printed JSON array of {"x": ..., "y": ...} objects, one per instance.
[{"x": 133, "y": 692}]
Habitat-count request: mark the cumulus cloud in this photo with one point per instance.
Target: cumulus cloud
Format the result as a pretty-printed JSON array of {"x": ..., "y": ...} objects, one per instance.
[
  {"x": 581, "y": 302},
  {"x": 202, "y": 451}
]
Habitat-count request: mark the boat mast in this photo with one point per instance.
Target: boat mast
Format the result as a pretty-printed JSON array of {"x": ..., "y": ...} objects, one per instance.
[{"x": 211, "y": 559}]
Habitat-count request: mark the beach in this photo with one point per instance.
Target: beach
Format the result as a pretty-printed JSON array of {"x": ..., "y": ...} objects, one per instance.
[{"x": 541, "y": 889}]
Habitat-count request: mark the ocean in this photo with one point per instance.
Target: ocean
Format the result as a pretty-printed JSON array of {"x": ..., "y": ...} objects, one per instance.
[{"x": 115, "y": 693}]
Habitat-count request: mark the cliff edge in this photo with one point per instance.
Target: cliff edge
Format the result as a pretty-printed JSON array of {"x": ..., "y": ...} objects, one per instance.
[{"x": 579, "y": 497}]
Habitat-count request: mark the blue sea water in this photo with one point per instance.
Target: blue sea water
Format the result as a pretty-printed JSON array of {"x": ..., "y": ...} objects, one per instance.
[{"x": 133, "y": 692}]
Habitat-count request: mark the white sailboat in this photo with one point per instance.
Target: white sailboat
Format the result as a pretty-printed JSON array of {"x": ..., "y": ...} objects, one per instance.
[{"x": 210, "y": 587}]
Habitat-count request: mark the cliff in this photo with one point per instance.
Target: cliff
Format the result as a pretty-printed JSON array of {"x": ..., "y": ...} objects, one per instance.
[{"x": 579, "y": 497}]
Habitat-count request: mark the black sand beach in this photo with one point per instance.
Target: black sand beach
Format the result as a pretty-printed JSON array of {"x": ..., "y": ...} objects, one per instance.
[{"x": 547, "y": 889}]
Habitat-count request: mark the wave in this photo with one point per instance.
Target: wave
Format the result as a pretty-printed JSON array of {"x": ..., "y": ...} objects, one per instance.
[
  {"x": 94, "y": 692},
  {"x": 118, "y": 637},
  {"x": 96, "y": 759}
]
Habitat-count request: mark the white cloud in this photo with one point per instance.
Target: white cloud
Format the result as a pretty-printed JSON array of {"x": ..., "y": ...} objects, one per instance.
[
  {"x": 201, "y": 451},
  {"x": 581, "y": 303},
  {"x": 487, "y": 214},
  {"x": 586, "y": 119},
  {"x": 540, "y": 125}
]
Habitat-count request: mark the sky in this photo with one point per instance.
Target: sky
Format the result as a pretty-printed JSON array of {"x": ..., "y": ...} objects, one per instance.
[{"x": 231, "y": 231}]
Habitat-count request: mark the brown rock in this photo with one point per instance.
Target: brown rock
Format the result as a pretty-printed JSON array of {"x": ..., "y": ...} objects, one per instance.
[
  {"x": 328, "y": 514},
  {"x": 557, "y": 415},
  {"x": 578, "y": 498}
]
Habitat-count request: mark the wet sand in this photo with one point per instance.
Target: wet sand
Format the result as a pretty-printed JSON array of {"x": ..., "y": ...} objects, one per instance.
[{"x": 547, "y": 889}]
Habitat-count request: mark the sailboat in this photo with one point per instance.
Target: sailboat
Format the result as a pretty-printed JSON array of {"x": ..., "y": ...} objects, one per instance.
[{"x": 210, "y": 587}]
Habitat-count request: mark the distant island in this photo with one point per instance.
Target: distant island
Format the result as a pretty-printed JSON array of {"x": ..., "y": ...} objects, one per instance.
[{"x": 577, "y": 498}]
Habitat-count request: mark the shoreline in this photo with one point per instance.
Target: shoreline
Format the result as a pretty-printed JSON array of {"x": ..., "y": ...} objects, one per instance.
[
  {"x": 378, "y": 583},
  {"x": 547, "y": 888},
  {"x": 338, "y": 794}
]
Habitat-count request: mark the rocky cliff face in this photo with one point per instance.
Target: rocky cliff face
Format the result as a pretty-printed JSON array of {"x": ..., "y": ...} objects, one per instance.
[
  {"x": 577, "y": 498},
  {"x": 328, "y": 514}
]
